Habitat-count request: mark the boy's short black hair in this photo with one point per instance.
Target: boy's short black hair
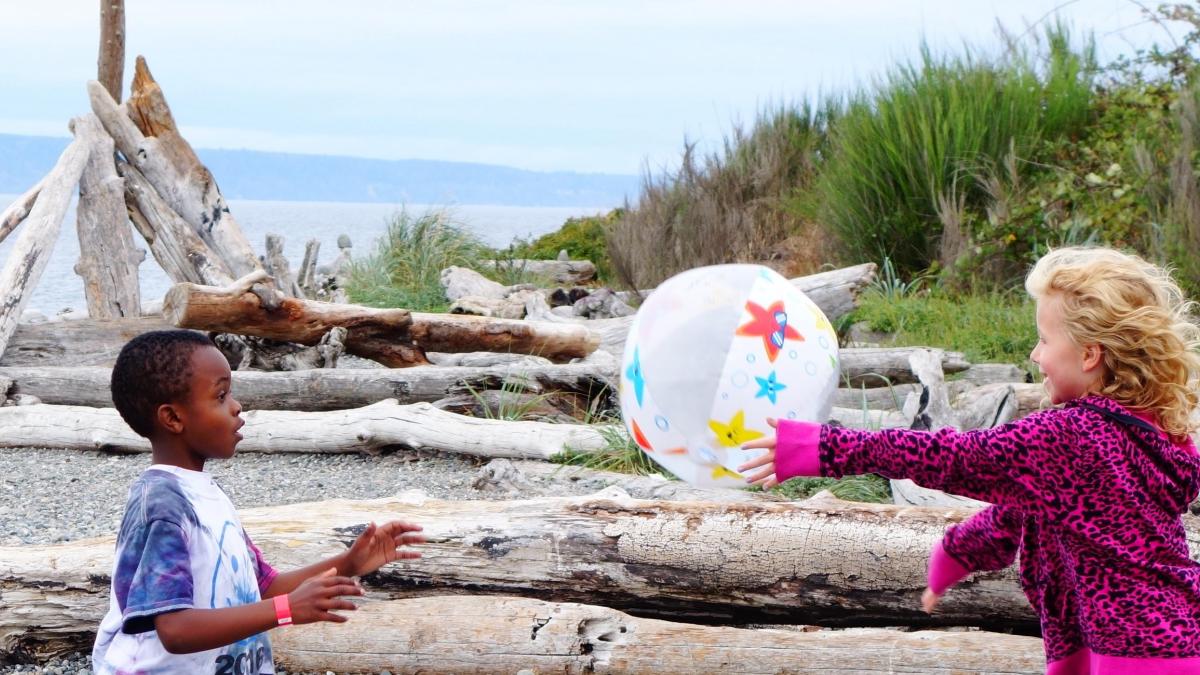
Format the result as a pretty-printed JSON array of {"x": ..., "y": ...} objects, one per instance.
[{"x": 153, "y": 369}]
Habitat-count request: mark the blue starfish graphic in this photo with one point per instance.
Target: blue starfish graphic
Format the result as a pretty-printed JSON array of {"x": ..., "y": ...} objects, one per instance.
[
  {"x": 634, "y": 373},
  {"x": 769, "y": 387}
]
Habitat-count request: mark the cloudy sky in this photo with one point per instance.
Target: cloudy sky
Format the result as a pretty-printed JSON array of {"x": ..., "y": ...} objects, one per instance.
[{"x": 581, "y": 85}]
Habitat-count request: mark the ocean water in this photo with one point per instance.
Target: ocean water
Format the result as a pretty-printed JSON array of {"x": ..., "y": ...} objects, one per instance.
[{"x": 60, "y": 288}]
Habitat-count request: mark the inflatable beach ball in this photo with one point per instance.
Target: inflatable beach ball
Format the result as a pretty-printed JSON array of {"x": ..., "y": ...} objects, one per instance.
[{"x": 712, "y": 353}]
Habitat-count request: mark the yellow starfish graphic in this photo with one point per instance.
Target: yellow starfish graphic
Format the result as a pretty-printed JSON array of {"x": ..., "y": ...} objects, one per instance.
[
  {"x": 735, "y": 433},
  {"x": 819, "y": 316},
  {"x": 720, "y": 471}
]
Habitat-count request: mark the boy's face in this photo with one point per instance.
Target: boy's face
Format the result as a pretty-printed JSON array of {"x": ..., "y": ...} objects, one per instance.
[{"x": 211, "y": 416}]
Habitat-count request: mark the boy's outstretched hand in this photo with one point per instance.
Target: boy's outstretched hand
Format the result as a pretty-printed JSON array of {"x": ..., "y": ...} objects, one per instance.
[
  {"x": 317, "y": 597},
  {"x": 379, "y": 545},
  {"x": 765, "y": 476}
]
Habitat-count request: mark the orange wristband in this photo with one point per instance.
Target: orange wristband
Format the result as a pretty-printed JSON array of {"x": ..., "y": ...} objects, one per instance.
[{"x": 283, "y": 610}]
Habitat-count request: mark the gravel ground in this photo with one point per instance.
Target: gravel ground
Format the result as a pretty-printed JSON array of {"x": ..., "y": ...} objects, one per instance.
[{"x": 50, "y": 496}]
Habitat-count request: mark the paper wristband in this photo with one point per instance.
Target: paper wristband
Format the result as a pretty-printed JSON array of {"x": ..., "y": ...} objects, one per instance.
[{"x": 283, "y": 610}]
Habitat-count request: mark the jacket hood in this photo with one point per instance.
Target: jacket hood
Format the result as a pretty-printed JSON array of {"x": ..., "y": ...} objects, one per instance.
[{"x": 1168, "y": 472}]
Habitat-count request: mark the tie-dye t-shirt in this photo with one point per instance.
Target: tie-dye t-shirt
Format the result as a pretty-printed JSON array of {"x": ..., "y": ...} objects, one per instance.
[{"x": 181, "y": 546}]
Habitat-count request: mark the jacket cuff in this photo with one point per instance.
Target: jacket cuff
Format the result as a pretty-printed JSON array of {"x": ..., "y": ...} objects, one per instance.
[
  {"x": 944, "y": 570},
  {"x": 796, "y": 449}
]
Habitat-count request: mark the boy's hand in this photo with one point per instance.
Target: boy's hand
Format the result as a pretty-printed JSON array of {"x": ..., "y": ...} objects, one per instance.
[
  {"x": 765, "y": 477},
  {"x": 316, "y": 598},
  {"x": 379, "y": 545}
]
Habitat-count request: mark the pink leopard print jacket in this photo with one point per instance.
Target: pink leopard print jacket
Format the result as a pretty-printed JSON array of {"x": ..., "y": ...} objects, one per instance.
[{"x": 1092, "y": 502}]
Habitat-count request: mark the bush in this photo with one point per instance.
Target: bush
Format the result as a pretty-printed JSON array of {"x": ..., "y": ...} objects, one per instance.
[
  {"x": 404, "y": 269},
  {"x": 928, "y": 138},
  {"x": 582, "y": 238},
  {"x": 731, "y": 206}
]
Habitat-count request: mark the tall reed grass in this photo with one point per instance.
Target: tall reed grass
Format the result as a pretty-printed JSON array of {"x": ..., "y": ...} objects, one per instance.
[
  {"x": 933, "y": 130},
  {"x": 733, "y": 205}
]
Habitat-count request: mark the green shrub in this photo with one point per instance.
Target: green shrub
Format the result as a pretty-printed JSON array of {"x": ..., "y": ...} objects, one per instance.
[
  {"x": 927, "y": 138},
  {"x": 583, "y": 238},
  {"x": 405, "y": 267}
]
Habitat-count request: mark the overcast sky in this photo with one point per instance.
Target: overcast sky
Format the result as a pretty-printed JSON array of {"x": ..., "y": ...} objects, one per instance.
[{"x": 603, "y": 85}]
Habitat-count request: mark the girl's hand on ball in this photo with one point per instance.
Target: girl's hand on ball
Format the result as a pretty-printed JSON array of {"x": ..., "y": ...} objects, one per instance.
[{"x": 765, "y": 463}]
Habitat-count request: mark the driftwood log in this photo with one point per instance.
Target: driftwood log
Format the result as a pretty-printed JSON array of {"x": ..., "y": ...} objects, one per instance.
[
  {"x": 17, "y": 211},
  {"x": 827, "y": 561},
  {"x": 368, "y": 429},
  {"x": 475, "y": 634},
  {"x": 108, "y": 261},
  {"x": 394, "y": 337},
  {"x": 173, "y": 242},
  {"x": 567, "y": 272},
  {"x": 82, "y": 342},
  {"x": 31, "y": 251},
  {"x": 110, "y": 64}
]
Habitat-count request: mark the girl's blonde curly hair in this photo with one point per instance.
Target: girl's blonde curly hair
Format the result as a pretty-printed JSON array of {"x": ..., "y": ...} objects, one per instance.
[{"x": 1139, "y": 316}]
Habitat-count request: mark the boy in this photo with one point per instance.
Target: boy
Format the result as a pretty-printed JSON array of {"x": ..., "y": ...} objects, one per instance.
[{"x": 188, "y": 584}]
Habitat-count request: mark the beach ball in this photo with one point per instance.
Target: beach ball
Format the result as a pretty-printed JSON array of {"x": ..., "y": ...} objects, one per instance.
[{"x": 712, "y": 353}]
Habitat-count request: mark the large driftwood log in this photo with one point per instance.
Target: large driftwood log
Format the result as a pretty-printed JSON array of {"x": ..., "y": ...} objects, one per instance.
[
  {"x": 276, "y": 264},
  {"x": 83, "y": 342},
  {"x": 475, "y": 634},
  {"x": 31, "y": 251},
  {"x": 559, "y": 271},
  {"x": 110, "y": 64},
  {"x": 108, "y": 261},
  {"x": 804, "y": 562},
  {"x": 368, "y": 429},
  {"x": 173, "y": 242},
  {"x": 153, "y": 146},
  {"x": 17, "y": 211},
  {"x": 394, "y": 337}
]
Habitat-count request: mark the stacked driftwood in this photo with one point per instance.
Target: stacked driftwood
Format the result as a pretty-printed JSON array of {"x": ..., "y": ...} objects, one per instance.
[{"x": 681, "y": 582}]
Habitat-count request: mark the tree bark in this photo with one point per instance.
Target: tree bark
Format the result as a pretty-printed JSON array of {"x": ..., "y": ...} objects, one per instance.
[
  {"x": 31, "y": 252},
  {"x": 476, "y": 634},
  {"x": 393, "y": 337},
  {"x": 110, "y": 64},
  {"x": 19, "y": 210},
  {"x": 368, "y": 429},
  {"x": 108, "y": 261},
  {"x": 173, "y": 242}
]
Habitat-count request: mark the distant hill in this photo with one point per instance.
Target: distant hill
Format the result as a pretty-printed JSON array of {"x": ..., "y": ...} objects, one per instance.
[{"x": 250, "y": 174}]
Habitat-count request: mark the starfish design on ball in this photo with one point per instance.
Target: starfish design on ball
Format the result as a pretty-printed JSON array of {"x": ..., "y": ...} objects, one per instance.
[
  {"x": 770, "y": 324},
  {"x": 734, "y": 433},
  {"x": 634, "y": 373},
  {"x": 721, "y": 472},
  {"x": 769, "y": 387}
]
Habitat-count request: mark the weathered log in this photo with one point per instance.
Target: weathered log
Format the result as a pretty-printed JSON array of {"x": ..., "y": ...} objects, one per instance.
[
  {"x": 368, "y": 429},
  {"x": 85, "y": 342},
  {"x": 887, "y": 398},
  {"x": 276, "y": 264},
  {"x": 17, "y": 211},
  {"x": 173, "y": 242},
  {"x": 108, "y": 261},
  {"x": 835, "y": 292},
  {"x": 875, "y": 366},
  {"x": 394, "y": 337},
  {"x": 822, "y": 560},
  {"x": 475, "y": 634},
  {"x": 461, "y": 282},
  {"x": 990, "y": 373},
  {"x": 306, "y": 276},
  {"x": 153, "y": 146},
  {"x": 336, "y": 389},
  {"x": 110, "y": 64},
  {"x": 559, "y": 271},
  {"x": 31, "y": 251},
  {"x": 930, "y": 411}
]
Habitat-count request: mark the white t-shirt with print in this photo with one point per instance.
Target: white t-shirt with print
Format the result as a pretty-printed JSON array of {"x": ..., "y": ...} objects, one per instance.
[{"x": 181, "y": 546}]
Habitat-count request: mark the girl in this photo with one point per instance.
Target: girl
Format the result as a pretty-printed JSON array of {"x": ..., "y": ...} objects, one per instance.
[{"x": 1091, "y": 493}]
